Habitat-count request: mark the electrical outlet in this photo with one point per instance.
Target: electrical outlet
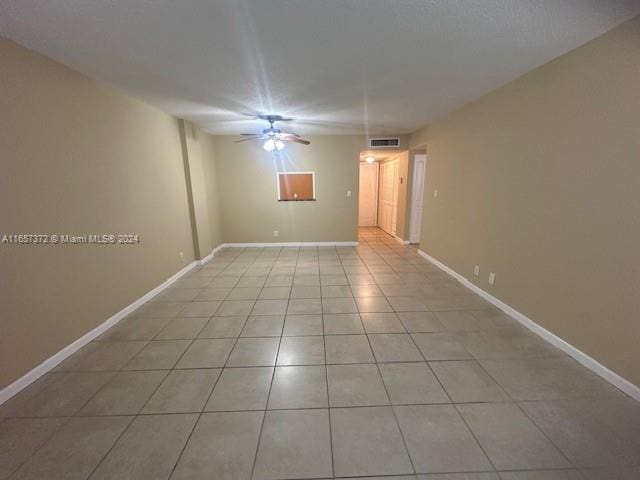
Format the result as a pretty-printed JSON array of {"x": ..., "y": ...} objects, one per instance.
[
  {"x": 435, "y": 194},
  {"x": 181, "y": 255},
  {"x": 476, "y": 270},
  {"x": 275, "y": 233},
  {"x": 348, "y": 193},
  {"x": 492, "y": 278}
]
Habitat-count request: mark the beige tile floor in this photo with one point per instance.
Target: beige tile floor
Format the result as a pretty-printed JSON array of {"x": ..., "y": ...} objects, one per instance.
[{"x": 291, "y": 363}]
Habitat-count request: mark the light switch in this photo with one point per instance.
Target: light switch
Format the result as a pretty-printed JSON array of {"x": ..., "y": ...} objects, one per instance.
[
  {"x": 492, "y": 278},
  {"x": 348, "y": 193},
  {"x": 435, "y": 194}
]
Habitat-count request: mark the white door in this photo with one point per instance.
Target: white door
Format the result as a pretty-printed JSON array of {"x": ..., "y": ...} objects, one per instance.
[
  {"x": 368, "y": 196},
  {"x": 419, "y": 169},
  {"x": 388, "y": 201}
]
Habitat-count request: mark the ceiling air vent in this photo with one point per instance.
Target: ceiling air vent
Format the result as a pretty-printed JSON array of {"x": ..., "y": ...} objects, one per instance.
[{"x": 391, "y": 142}]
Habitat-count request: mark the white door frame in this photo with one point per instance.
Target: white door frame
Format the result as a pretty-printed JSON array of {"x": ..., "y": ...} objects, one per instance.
[
  {"x": 375, "y": 195},
  {"x": 417, "y": 196}
]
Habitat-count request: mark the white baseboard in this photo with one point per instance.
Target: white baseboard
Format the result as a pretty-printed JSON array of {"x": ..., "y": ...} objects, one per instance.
[
  {"x": 596, "y": 367},
  {"x": 204, "y": 260},
  {"x": 31, "y": 376},
  {"x": 290, "y": 244},
  {"x": 401, "y": 241}
]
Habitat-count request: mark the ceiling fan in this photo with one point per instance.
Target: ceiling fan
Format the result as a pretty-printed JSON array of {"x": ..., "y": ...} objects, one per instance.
[{"x": 274, "y": 138}]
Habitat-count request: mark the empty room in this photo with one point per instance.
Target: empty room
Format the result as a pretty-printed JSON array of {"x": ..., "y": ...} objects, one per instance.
[{"x": 328, "y": 239}]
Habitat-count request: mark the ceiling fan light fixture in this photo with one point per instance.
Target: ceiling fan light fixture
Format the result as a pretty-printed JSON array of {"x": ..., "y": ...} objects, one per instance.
[{"x": 271, "y": 144}]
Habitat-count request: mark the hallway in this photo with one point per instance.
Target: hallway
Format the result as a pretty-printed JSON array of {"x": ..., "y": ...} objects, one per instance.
[{"x": 320, "y": 362}]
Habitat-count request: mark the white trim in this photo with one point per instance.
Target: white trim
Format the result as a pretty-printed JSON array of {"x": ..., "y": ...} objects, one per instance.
[
  {"x": 204, "y": 260},
  {"x": 313, "y": 179},
  {"x": 596, "y": 367},
  {"x": 291, "y": 244},
  {"x": 12, "y": 389},
  {"x": 400, "y": 240}
]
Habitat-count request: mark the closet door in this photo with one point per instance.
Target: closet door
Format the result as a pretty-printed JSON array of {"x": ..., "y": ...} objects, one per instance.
[{"x": 388, "y": 204}]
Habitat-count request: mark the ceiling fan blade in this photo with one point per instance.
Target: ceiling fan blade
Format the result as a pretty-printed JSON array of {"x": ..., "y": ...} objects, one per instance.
[
  {"x": 295, "y": 140},
  {"x": 254, "y": 137}
]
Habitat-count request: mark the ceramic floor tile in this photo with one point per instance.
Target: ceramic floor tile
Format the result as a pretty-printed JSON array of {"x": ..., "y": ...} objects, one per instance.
[
  {"x": 254, "y": 352},
  {"x": 183, "y": 391},
  {"x": 21, "y": 437},
  {"x": 97, "y": 356},
  {"x": 263, "y": 326},
  {"x": 206, "y": 353},
  {"x": 125, "y": 394},
  {"x": 307, "y": 306},
  {"x": 299, "y": 387},
  {"x": 509, "y": 438},
  {"x": 348, "y": 349},
  {"x": 355, "y": 385},
  {"x": 200, "y": 309},
  {"x": 367, "y": 441},
  {"x": 336, "y": 291},
  {"x": 459, "y": 320},
  {"x": 305, "y": 291},
  {"x": 583, "y": 435},
  {"x": 366, "y": 291},
  {"x": 420, "y": 322},
  {"x": 212, "y": 294},
  {"x": 543, "y": 475},
  {"x": 407, "y": 304},
  {"x": 182, "y": 328},
  {"x": 296, "y": 325},
  {"x": 441, "y": 346},
  {"x": 294, "y": 444},
  {"x": 439, "y": 441},
  {"x": 158, "y": 355},
  {"x": 222, "y": 446},
  {"x": 409, "y": 383},
  {"x": 149, "y": 448},
  {"x": 241, "y": 389},
  {"x": 546, "y": 378},
  {"x": 75, "y": 450},
  {"x": 467, "y": 381},
  {"x": 382, "y": 323},
  {"x": 223, "y": 327},
  {"x": 129, "y": 329},
  {"x": 373, "y": 304},
  {"x": 235, "y": 308},
  {"x": 301, "y": 351},
  {"x": 394, "y": 347},
  {"x": 56, "y": 394},
  {"x": 270, "y": 307},
  {"x": 342, "y": 324},
  {"x": 158, "y": 310},
  {"x": 244, "y": 293},
  {"x": 339, "y": 305},
  {"x": 275, "y": 293}
]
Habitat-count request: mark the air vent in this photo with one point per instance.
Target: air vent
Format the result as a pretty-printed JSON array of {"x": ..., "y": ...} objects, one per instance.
[{"x": 391, "y": 142}]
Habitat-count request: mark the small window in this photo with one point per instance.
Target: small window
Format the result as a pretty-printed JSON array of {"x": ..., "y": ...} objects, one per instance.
[{"x": 296, "y": 186}]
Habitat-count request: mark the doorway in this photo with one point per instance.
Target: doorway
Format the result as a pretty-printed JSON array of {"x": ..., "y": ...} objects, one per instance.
[
  {"x": 368, "y": 197},
  {"x": 417, "y": 193}
]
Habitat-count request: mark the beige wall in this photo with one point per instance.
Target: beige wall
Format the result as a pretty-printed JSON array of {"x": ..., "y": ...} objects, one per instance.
[
  {"x": 211, "y": 177},
  {"x": 248, "y": 191},
  {"x": 198, "y": 154},
  {"x": 539, "y": 182},
  {"x": 77, "y": 157}
]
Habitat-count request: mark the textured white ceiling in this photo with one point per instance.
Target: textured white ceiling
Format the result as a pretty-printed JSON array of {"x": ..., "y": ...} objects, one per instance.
[{"x": 338, "y": 66}]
